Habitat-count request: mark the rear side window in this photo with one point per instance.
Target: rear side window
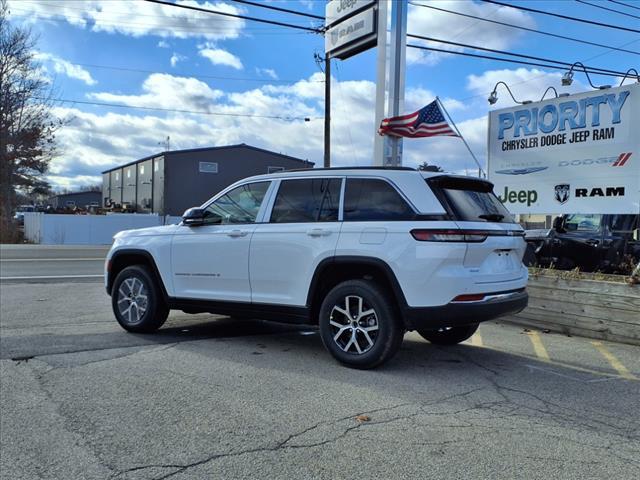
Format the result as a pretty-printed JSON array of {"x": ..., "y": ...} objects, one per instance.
[
  {"x": 307, "y": 200},
  {"x": 367, "y": 199},
  {"x": 470, "y": 200}
]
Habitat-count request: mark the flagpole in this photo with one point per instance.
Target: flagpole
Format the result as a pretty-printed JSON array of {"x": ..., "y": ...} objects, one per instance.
[{"x": 480, "y": 170}]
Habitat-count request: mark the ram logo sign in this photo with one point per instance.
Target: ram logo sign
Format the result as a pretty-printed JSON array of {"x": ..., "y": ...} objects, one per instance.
[{"x": 580, "y": 152}]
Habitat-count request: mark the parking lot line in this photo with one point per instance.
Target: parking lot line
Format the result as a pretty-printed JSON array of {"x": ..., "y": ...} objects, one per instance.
[
  {"x": 613, "y": 361},
  {"x": 538, "y": 347},
  {"x": 476, "y": 340}
]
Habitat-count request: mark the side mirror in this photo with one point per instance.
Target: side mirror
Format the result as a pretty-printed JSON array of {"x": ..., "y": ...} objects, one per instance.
[
  {"x": 193, "y": 217},
  {"x": 558, "y": 224}
]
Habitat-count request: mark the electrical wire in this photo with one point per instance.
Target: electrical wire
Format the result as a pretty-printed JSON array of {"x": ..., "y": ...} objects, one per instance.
[
  {"x": 609, "y": 9},
  {"x": 565, "y": 17},
  {"x": 172, "y": 110},
  {"x": 233, "y": 15},
  {"x": 541, "y": 32},
  {"x": 508, "y": 60},
  {"x": 280, "y": 9},
  {"x": 185, "y": 74},
  {"x": 604, "y": 71},
  {"x": 625, "y": 4}
]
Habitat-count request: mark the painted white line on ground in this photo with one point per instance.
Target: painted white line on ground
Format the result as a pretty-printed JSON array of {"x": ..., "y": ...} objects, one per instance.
[
  {"x": 51, "y": 277},
  {"x": 52, "y": 259}
]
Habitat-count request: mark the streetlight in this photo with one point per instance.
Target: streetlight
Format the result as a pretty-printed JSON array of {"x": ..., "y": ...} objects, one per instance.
[
  {"x": 567, "y": 78},
  {"x": 493, "y": 96}
]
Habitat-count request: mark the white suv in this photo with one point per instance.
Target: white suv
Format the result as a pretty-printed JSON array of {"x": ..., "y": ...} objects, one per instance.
[{"x": 365, "y": 253}]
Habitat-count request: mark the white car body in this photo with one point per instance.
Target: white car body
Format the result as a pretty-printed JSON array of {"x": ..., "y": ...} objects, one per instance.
[{"x": 274, "y": 265}]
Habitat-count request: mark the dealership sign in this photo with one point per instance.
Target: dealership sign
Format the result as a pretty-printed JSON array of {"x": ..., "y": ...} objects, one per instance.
[
  {"x": 572, "y": 154},
  {"x": 350, "y": 27}
]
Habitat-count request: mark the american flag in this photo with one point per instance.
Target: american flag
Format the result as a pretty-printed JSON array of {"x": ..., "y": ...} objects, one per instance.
[{"x": 426, "y": 122}]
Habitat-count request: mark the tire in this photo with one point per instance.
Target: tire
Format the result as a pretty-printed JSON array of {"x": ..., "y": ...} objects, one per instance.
[
  {"x": 368, "y": 339},
  {"x": 449, "y": 335},
  {"x": 137, "y": 300}
]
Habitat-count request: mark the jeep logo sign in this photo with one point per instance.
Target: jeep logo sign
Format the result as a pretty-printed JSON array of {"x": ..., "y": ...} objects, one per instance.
[{"x": 573, "y": 154}]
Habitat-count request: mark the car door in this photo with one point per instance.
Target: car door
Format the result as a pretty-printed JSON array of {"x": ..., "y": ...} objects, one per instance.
[
  {"x": 580, "y": 245},
  {"x": 300, "y": 231},
  {"x": 211, "y": 261}
]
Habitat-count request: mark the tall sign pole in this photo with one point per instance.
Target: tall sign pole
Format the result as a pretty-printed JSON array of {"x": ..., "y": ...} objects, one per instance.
[{"x": 390, "y": 77}]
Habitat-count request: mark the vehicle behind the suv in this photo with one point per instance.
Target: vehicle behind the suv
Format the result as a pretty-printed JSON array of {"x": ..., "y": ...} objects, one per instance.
[{"x": 364, "y": 253}]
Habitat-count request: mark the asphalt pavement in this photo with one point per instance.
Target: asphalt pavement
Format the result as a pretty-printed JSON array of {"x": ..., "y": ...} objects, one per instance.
[
  {"x": 37, "y": 263},
  {"x": 212, "y": 397}
]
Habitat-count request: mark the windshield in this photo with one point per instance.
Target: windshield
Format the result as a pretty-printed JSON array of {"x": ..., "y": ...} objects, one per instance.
[{"x": 470, "y": 200}]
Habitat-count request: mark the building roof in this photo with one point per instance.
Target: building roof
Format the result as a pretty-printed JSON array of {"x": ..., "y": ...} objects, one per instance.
[{"x": 239, "y": 145}]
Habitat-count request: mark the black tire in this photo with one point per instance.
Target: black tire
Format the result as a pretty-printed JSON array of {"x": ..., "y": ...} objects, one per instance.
[
  {"x": 449, "y": 335},
  {"x": 142, "y": 316},
  {"x": 372, "y": 346}
]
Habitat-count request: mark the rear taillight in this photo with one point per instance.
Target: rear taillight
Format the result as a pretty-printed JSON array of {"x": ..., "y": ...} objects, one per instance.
[
  {"x": 448, "y": 235},
  {"x": 474, "y": 297},
  {"x": 460, "y": 235}
]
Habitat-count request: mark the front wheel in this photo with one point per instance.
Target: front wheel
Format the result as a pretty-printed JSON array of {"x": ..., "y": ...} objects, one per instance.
[
  {"x": 359, "y": 324},
  {"x": 449, "y": 335},
  {"x": 137, "y": 300}
]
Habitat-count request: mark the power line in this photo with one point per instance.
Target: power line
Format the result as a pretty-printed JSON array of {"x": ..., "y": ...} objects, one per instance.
[
  {"x": 625, "y": 4},
  {"x": 604, "y": 71},
  {"x": 609, "y": 9},
  {"x": 172, "y": 110},
  {"x": 233, "y": 15},
  {"x": 280, "y": 9},
  {"x": 185, "y": 74},
  {"x": 541, "y": 32},
  {"x": 508, "y": 60},
  {"x": 565, "y": 17}
]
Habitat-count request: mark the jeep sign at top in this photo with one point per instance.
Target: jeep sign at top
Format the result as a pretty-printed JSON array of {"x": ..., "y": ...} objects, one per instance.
[{"x": 574, "y": 154}]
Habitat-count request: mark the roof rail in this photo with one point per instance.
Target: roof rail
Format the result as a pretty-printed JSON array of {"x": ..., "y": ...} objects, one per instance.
[{"x": 349, "y": 168}]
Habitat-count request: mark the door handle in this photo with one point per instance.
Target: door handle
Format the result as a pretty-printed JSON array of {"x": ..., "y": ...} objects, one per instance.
[
  {"x": 593, "y": 243},
  {"x": 318, "y": 232},
  {"x": 237, "y": 233}
]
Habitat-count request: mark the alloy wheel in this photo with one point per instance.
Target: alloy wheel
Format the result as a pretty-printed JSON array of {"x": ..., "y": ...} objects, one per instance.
[
  {"x": 354, "y": 325},
  {"x": 132, "y": 300}
]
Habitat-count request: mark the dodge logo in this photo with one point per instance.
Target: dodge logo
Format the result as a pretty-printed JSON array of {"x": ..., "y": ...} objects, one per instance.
[{"x": 562, "y": 192}]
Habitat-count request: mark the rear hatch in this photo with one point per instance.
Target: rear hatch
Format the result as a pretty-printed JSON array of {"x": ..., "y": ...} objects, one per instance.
[{"x": 494, "y": 241}]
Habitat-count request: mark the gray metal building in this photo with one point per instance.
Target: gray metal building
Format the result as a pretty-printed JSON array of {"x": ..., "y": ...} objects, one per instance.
[
  {"x": 170, "y": 182},
  {"x": 77, "y": 199}
]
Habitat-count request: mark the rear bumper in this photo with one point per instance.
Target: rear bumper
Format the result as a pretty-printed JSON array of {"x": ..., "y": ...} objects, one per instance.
[{"x": 464, "y": 313}]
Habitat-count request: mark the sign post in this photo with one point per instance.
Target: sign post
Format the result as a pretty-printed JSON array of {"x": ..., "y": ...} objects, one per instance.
[{"x": 571, "y": 154}]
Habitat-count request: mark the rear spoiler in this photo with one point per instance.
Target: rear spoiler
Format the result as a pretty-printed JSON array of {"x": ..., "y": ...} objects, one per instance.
[{"x": 460, "y": 182}]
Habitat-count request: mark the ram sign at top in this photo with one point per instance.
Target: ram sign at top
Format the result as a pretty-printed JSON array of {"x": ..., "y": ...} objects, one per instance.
[{"x": 572, "y": 154}]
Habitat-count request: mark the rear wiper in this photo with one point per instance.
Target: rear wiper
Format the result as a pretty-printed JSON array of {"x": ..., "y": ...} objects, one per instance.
[{"x": 492, "y": 217}]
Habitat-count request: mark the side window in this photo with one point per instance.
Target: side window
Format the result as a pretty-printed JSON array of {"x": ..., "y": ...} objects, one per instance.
[
  {"x": 307, "y": 200},
  {"x": 370, "y": 199},
  {"x": 580, "y": 222},
  {"x": 624, "y": 223},
  {"x": 240, "y": 205}
]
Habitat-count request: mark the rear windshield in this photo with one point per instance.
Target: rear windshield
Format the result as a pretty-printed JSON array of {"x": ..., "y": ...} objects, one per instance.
[{"x": 470, "y": 200}]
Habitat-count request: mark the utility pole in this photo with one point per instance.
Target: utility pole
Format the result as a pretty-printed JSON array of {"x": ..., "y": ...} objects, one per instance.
[{"x": 327, "y": 111}]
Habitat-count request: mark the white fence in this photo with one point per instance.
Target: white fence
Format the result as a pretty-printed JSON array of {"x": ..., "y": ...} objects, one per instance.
[{"x": 50, "y": 229}]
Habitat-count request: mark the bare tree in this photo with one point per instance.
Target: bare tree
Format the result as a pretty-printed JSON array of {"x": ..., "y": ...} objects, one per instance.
[
  {"x": 27, "y": 125},
  {"x": 425, "y": 167}
]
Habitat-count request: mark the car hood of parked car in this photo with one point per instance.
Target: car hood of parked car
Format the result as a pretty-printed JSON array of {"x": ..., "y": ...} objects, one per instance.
[{"x": 141, "y": 232}]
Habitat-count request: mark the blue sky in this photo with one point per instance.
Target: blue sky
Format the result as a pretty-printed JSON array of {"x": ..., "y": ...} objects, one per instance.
[{"x": 198, "y": 62}]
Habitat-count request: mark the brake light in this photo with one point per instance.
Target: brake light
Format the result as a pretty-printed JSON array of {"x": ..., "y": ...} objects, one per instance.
[{"x": 449, "y": 235}]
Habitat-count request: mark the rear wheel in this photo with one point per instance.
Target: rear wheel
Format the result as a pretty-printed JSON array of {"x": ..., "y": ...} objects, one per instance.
[
  {"x": 449, "y": 335},
  {"x": 137, "y": 300},
  {"x": 359, "y": 325}
]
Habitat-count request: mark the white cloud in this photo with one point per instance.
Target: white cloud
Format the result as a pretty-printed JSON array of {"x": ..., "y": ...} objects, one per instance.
[
  {"x": 267, "y": 72},
  {"x": 163, "y": 44},
  {"x": 167, "y": 91},
  {"x": 218, "y": 56},
  {"x": 66, "y": 68},
  {"x": 442, "y": 25},
  {"x": 175, "y": 58},
  {"x": 138, "y": 18}
]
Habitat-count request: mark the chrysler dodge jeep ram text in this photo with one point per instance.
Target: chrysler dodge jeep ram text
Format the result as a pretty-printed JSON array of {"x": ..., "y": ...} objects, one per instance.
[{"x": 364, "y": 253}]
